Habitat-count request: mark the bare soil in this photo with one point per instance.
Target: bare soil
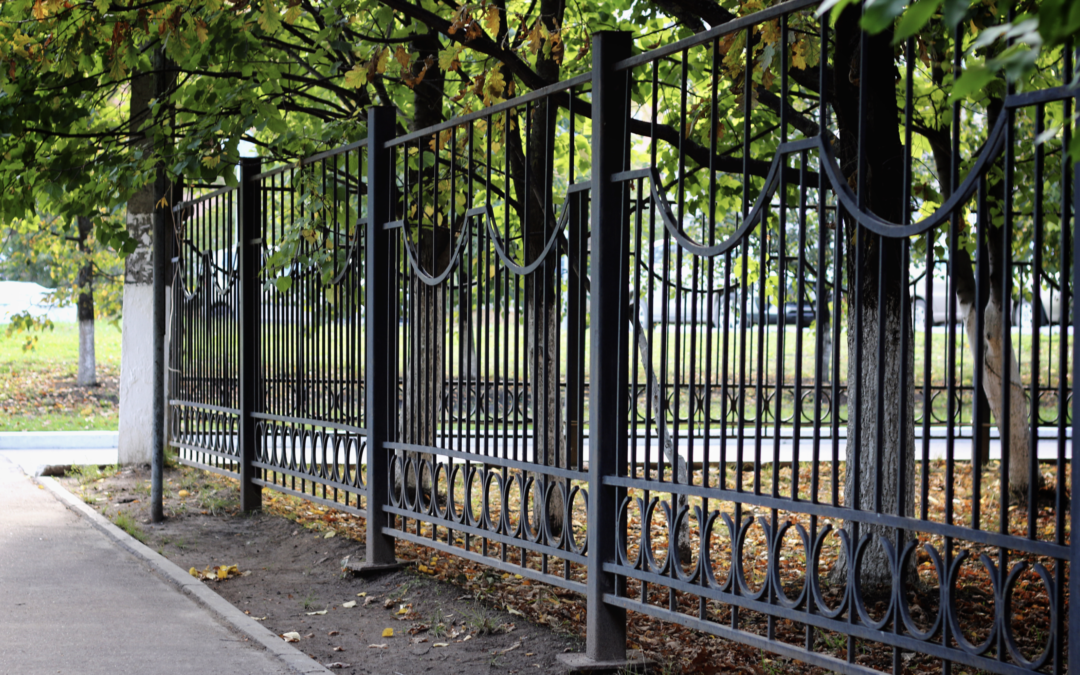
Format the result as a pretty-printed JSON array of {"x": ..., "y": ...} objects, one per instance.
[{"x": 291, "y": 579}]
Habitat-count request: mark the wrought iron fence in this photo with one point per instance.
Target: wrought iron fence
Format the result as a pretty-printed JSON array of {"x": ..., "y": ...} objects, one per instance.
[{"x": 635, "y": 350}]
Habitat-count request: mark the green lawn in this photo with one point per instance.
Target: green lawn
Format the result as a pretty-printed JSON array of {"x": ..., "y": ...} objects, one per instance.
[{"x": 37, "y": 387}]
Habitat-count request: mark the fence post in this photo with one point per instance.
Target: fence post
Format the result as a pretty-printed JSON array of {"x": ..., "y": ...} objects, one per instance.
[
  {"x": 608, "y": 408},
  {"x": 1074, "y": 505},
  {"x": 250, "y": 259},
  {"x": 380, "y": 333}
]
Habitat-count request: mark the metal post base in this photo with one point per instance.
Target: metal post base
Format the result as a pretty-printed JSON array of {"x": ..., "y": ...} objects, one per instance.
[
  {"x": 635, "y": 662},
  {"x": 361, "y": 568}
]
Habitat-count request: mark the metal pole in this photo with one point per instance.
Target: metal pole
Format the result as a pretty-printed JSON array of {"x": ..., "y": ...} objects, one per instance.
[
  {"x": 160, "y": 253},
  {"x": 1074, "y": 506},
  {"x": 250, "y": 254},
  {"x": 606, "y": 624},
  {"x": 379, "y": 336}
]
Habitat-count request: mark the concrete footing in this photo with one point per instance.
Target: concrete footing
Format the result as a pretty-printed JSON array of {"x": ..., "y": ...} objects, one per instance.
[{"x": 635, "y": 662}]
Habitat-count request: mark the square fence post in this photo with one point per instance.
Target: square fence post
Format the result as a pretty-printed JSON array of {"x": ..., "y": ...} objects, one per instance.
[
  {"x": 380, "y": 333},
  {"x": 250, "y": 260},
  {"x": 1074, "y": 505},
  {"x": 605, "y": 640}
]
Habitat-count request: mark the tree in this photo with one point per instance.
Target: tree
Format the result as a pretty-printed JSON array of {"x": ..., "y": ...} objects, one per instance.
[{"x": 67, "y": 258}]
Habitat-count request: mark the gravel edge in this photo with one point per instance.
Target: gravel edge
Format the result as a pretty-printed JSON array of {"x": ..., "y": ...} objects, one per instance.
[{"x": 172, "y": 574}]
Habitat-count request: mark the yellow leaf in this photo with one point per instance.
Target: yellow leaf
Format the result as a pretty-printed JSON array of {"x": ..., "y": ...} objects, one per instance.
[
  {"x": 388, "y": 632},
  {"x": 402, "y": 610},
  {"x": 494, "y": 84},
  {"x": 292, "y": 14},
  {"x": 291, "y": 636},
  {"x": 222, "y": 572},
  {"x": 349, "y": 605},
  {"x": 181, "y": 495},
  {"x": 402, "y": 57},
  {"x": 383, "y": 61},
  {"x": 194, "y": 572},
  {"x": 356, "y": 77},
  {"x": 330, "y": 533},
  {"x": 448, "y": 58},
  {"x": 491, "y": 21}
]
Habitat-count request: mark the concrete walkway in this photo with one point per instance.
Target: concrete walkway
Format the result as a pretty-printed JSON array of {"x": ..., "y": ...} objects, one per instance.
[
  {"x": 76, "y": 598},
  {"x": 37, "y": 451}
]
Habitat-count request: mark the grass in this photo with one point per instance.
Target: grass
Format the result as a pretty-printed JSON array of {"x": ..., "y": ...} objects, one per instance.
[
  {"x": 89, "y": 473},
  {"x": 38, "y": 390},
  {"x": 126, "y": 523}
]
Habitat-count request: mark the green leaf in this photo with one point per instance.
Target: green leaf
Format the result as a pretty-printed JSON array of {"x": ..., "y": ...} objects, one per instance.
[
  {"x": 879, "y": 15},
  {"x": 975, "y": 78},
  {"x": 283, "y": 284},
  {"x": 955, "y": 10},
  {"x": 915, "y": 18}
]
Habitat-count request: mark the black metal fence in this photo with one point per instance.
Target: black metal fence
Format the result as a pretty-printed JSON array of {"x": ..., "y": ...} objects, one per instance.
[{"x": 628, "y": 335}]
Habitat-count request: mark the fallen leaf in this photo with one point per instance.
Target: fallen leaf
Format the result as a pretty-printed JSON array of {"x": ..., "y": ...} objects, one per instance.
[
  {"x": 388, "y": 632},
  {"x": 194, "y": 572},
  {"x": 362, "y": 595},
  {"x": 382, "y": 646},
  {"x": 329, "y": 534},
  {"x": 291, "y": 636},
  {"x": 441, "y": 644},
  {"x": 333, "y": 633},
  {"x": 183, "y": 493},
  {"x": 338, "y": 649},
  {"x": 349, "y": 604},
  {"x": 336, "y": 664},
  {"x": 318, "y": 613}
]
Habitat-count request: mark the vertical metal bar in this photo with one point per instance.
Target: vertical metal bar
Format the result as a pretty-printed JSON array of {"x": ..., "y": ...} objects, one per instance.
[
  {"x": 381, "y": 386},
  {"x": 606, "y": 624},
  {"x": 161, "y": 270},
  {"x": 1074, "y": 505},
  {"x": 249, "y": 249}
]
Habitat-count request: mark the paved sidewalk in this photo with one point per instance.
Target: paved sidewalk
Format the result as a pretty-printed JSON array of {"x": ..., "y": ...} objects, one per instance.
[
  {"x": 73, "y": 601},
  {"x": 36, "y": 451}
]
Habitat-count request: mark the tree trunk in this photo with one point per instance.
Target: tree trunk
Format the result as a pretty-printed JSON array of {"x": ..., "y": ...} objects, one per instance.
[
  {"x": 425, "y": 381},
  {"x": 1016, "y": 431},
  {"x": 87, "y": 375},
  {"x": 1013, "y": 426},
  {"x": 136, "y": 352},
  {"x": 877, "y": 280}
]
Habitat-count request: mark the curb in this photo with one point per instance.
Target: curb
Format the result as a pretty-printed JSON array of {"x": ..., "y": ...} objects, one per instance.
[
  {"x": 59, "y": 440},
  {"x": 222, "y": 610}
]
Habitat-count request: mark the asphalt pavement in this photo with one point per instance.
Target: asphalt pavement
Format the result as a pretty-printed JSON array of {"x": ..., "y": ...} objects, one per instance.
[{"x": 77, "y": 595}]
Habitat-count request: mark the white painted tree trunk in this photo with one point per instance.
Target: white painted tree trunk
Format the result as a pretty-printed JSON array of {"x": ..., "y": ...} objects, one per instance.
[
  {"x": 1013, "y": 426},
  {"x": 87, "y": 357},
  {"x": 136, "y": 348}
]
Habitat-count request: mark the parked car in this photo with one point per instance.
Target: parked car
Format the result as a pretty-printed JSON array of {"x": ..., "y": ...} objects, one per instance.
[
  {"x": 800, "y": 314},
  {"x": 1051, "y": 305},
  {"x": 1050, "y": 300}
]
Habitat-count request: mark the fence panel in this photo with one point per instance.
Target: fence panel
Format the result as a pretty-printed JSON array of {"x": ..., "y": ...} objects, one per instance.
[
  {"x": 809, "y": 471},
  {"x": 310, "y": 423},
  {"x": 492, "y": 279},
  {"x": 204, "y": 397}
]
